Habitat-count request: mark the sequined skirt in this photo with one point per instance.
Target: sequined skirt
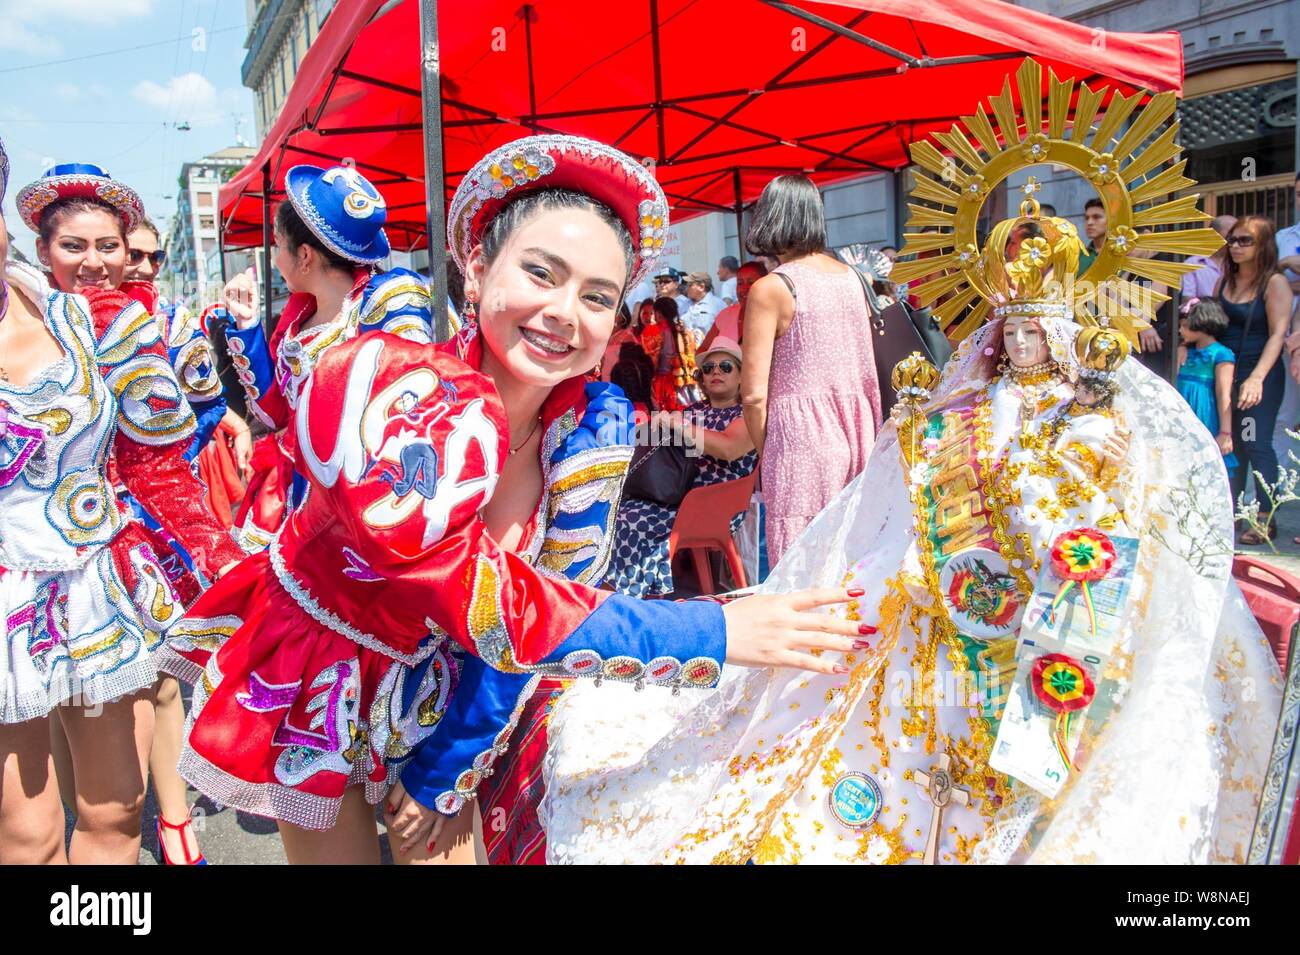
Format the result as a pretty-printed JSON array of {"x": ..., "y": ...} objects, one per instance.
[
  {"x": 287, "y": 713},
  {"x": 89, "y": 635}
]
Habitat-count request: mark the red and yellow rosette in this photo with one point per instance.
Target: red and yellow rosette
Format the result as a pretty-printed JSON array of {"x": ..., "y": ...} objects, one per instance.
[
  {"x": 1082, "y": 557},
  {"x": 1064, "y": 687}
]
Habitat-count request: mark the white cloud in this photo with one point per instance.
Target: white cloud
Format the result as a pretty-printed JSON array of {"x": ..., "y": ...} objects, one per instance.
[
  {"x": 189, "y": 98},
  {"x": 18, "y": 38},
  {"x": 21, "y": 16}
]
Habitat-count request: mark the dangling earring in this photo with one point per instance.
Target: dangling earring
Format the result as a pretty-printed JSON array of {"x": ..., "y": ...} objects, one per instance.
[{"x": 1003, "y": 365}]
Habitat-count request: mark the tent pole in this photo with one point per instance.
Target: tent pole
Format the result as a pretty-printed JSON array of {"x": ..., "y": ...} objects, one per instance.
[
  {"x": 267, "y": 322},
  {"x": 740, "y": 213},
  {"x": 530, "y": 14},
  {"x": 435, "y": 194}
]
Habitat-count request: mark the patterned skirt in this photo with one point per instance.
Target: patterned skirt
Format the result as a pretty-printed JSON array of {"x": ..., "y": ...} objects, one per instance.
[
  {"x": 87, "y": 635},
  {"x": 288, "y": 713}
]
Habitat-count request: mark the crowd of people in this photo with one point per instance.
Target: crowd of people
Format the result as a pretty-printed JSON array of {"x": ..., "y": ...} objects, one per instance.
[{"x": 381, "y": 606}]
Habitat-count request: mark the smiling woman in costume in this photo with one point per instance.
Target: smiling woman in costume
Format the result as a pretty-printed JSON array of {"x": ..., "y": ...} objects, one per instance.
[
  {"x": 1043, "y": 536},
  {"x": 83, "y": 599},
  {"x": 336, "y": 647}
]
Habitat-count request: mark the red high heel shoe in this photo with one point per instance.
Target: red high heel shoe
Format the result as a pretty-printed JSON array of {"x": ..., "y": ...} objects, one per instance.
[{"x": 185, "y": 846}]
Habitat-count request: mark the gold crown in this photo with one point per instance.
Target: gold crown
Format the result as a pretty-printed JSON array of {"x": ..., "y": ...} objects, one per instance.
[
  {"x": 1100, "y": 350},
  {"x": 1122, "y": 150}
]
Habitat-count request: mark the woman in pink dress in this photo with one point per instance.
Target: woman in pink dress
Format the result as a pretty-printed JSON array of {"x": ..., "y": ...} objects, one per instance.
[{"x": 812, "y": 402}]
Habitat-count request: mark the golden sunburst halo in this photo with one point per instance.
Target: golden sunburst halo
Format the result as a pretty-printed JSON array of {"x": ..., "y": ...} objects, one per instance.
[{"x": 1133, "y": 165}]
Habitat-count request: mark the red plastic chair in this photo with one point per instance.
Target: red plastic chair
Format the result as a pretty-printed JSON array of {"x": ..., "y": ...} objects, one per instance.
[
  {"x": 703, "y": 524},
  {"x": 1274, "y": 599}
]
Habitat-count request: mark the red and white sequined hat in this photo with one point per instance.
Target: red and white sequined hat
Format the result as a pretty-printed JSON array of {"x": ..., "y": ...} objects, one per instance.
[{"x": 550, "y": 161}]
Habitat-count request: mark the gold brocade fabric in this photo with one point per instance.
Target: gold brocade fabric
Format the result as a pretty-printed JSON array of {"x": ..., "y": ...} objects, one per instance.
[{"x": 1191, "y": 692}]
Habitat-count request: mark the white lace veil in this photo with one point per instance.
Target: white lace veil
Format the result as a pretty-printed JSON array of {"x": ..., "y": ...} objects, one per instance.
[{"x": 1172, "y": 776}]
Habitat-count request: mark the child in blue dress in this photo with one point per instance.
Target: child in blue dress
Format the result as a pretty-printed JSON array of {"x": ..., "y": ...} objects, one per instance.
[{"x": 1205, "y": 376}]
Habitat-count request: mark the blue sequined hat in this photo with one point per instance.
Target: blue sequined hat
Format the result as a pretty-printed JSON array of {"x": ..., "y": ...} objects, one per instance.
[
  {"x": 342, "y": 209},
  {"x": 78, "y": 180}
]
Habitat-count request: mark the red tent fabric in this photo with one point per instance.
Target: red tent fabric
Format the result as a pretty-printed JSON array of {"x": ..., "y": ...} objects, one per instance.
[{"x": 722, "y": 96}]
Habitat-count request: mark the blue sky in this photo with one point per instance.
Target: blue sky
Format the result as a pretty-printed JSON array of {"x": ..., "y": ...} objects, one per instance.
[{"x": 119, "y": 109}]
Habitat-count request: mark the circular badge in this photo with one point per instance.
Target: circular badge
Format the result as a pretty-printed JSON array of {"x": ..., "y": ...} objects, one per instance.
[
  {"x": 581, "y": 662},
  {"x": 980, "y": 593},
  {"x": 623, "y": 668},
  {"x": 855, "y": 800},
  {"x": 662, "y": 669},
  {"x": 702, "y": 671},
  {"x": 449, "y": 803}
]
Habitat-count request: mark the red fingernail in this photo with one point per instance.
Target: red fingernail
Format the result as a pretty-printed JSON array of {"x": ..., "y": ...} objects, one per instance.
[
  {"x": 861, "y": 645},
  {"x": 840, "y": 670},
  {"x": 856, "y": 591},
  {"x": 866, "y": 629},
  {"x": 431, "y": 846}
]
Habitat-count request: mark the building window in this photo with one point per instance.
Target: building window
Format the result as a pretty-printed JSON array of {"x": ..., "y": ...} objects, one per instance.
[
  {"x": 207, "y": 222},
  {"x": 206, "y": 200}
]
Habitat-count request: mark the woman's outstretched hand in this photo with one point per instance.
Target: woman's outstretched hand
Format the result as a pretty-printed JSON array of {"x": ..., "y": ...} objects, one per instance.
[{"x": 781, "y": 630}]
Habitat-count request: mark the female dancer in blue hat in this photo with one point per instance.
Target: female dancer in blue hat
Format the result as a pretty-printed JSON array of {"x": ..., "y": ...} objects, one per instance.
[
  {"x": 84, "y": 602},
  {"x": 329, "y": 242}
]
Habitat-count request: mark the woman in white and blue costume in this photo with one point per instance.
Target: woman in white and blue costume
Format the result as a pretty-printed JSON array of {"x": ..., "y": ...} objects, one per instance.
[{"x": 329, "y": 247}]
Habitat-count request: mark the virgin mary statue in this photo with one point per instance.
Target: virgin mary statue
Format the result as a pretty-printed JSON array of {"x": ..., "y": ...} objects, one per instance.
[{"x": 1062, "y": 668}]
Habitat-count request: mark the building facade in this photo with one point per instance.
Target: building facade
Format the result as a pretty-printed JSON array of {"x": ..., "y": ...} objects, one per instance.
[
  {"x": 193, "y": 273},
  {"x": 1238, "y": 125},
  {"x": 279, "y": 33}
]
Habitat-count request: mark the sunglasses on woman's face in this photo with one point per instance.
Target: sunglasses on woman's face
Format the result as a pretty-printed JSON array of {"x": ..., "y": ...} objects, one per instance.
[
  {"x": 136, "y": 257},
  {"x": 1242, "y": 240},
  {"x": 726, "y": 366}
]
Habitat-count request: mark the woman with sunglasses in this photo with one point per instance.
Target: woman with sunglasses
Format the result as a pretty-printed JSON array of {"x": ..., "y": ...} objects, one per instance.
[
  {"x": 84, "y": 600},
  {"x": 641, "y": 565},
  {"x": 1257, "y": 300}
]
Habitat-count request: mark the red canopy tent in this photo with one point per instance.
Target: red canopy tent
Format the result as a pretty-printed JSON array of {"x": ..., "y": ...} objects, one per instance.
[{"x": 720, "y": 96}]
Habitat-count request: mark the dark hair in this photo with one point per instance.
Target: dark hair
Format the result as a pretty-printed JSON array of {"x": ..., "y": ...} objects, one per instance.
[
  {"x": 455, "y": 287},
  {"x": 729, "y": 262},
  {"x": 634, "y": 373},
  {"x": 666, "y": 308},
  {"x": 1044, "y": 207},
  {"x": 788, "y": 219},
  {"x": 73, "y": 206},
  {"x": 514, "y": 214},
  {"x": 885, "y": 247},
  {"x": 1094, "y": 201},
  {"x": 1207, "y": 316},
  {"x": 624, "y": 317},
  {"x": 1265, "y": 234},
  {"x": 296, "y": 235},
  {"x": 147, "y": 224}
]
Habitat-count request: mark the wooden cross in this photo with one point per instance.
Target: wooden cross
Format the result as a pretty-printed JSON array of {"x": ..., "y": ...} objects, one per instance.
[{"x": 938, "y": 785}]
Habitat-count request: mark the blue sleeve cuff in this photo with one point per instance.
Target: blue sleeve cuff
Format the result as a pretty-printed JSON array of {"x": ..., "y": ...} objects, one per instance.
[
  {"x": 448, "y": 766},
  {"x": 667, "y": 643},
  {"x": 208, "y": 415},
  {"x": 251, "y": 355}
]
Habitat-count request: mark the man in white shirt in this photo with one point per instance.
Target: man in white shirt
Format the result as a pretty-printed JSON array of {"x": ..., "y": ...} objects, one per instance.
[
  {"x": 730, "y": 322},
  {"x": 704, "y": 305},
  {"x": 727, "y": 269}
]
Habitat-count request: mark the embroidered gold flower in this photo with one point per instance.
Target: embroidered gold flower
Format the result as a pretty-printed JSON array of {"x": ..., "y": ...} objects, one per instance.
[
  {"x": 973, "y": 189},
  {"x": 1122, "y": 240},
  {"x": 1103, "y": 169},
  {"x": 1035, "y": 147}
]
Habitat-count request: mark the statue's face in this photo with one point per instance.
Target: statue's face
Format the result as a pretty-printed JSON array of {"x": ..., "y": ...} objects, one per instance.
[{"x": 1024, "y": 342}]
